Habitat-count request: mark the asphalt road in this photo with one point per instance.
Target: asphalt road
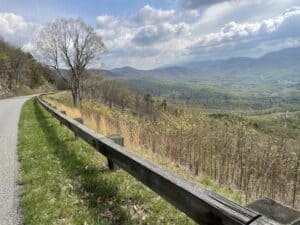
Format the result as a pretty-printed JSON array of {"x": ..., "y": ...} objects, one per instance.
[{"x": 10, "y": 109}]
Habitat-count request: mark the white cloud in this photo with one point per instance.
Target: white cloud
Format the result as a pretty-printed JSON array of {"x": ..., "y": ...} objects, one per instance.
[
  {"x": 151, "y": 37},
  {"x": 218, "y": 11},
  {"x": 251, "y": 39},
  {"x": 148, "y": 27},
  {"x": 15, "y": 28},
  {"x": 118, "y": 37},
  {"x": 151, "y": 34},
  {"x": 107, "y": 21},
  {"x": 28, "y": 47},
  {"x": 234, "y": 31},
  {"x": 155, "y": 37},
  {"x": 149, "y": 15},
  {"x": 195, "y": 29},
  {"x": 11, "y": 23},
  {"x": 201, "y": 29}
]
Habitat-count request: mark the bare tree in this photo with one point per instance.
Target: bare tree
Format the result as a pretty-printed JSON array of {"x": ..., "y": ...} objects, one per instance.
[{"x": 69, "y": 44}]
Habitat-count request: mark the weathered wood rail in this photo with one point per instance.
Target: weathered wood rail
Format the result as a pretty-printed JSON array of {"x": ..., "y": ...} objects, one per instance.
[{"x": 204, "y": 207}]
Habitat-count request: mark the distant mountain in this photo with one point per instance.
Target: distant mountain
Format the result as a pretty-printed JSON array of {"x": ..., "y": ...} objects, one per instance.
[
  {"x": 127, "y": 71},
  {"x": 276, "y": 69},
  {"x": 285, "y": 57},
  {"x": 97, "y": 72},
  {"x": 272, "y": 80}
]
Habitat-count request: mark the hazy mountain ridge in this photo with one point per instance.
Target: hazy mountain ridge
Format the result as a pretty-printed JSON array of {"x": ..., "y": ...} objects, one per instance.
[
  {"x": 286, "y": 61},
  {"x": 235, "y": 81},
  {"x": 277, "y": 70}
]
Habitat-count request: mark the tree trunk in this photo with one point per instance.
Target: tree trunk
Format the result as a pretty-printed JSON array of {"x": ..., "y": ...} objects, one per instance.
[
  {"x": 10, "y": 81},
  {"x": 76, "y": 97},
  {"x": 76, "y": 91}
]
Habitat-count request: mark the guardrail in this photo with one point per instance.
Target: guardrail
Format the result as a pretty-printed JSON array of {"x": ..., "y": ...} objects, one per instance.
[{"x": 204, "y": 207}]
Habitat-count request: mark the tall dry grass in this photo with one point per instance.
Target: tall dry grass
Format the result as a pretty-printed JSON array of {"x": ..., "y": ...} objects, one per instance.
[{"x": 232, "y": 154}]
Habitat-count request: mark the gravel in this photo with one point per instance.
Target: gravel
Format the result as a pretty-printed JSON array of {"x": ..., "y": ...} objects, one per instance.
[{"x": 10, "y": 109}]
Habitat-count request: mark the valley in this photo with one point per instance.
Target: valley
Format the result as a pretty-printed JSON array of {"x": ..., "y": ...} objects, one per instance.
[
  {"x": 268, "y": 84},
  {"x": 150, "y": 112}
]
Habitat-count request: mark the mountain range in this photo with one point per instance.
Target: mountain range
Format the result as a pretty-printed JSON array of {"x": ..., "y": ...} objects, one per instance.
[{"x": 269, "y": 75}]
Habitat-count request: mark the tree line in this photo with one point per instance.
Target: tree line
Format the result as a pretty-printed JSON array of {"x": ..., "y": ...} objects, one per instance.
[
  {"x": 257, "y": 163},
  {"x": 18, "y": 69},
  {"x": 230, "y": 151}
]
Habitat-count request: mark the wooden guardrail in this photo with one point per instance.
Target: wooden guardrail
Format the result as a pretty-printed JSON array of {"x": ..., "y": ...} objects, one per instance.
[{"x": 204, "y": 207}]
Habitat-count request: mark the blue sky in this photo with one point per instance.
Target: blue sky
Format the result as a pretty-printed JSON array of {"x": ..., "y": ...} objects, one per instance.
[
  {"x": 46, "y": 10},
  {"x": 147, "y": 34}
]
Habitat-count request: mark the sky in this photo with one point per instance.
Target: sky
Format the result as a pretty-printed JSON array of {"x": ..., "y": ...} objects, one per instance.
[{"x": 155, "y": 33}]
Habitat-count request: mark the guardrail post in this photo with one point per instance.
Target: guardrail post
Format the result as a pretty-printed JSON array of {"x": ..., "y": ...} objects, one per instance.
[
  {"x": 63, "y": 112},
  {"x": 80, "y": 120},
  {"x": 204, "y": 207},
  {"x": 118, "y": 140}
]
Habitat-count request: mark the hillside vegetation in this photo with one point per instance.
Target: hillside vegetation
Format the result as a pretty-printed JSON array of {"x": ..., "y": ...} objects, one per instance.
[
  {"x": 20, "y": 73},
  {"x": 232, "y": 150},
  {"x": 270, "y": 83},
  {"x": 65, "y": 181}
]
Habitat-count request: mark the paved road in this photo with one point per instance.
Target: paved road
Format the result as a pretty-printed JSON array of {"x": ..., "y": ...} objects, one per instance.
[{"x": 9, "y": 117}]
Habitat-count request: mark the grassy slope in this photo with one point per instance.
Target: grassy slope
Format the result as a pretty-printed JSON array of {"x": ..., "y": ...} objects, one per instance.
[
  {"x": 67, "y": 182},
  {"x": 62, "y": 101}
]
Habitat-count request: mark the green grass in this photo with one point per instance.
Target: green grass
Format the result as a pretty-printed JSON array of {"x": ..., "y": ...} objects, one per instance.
[
  {"x": 202, "y": 180},
  {"x": 67, "y": 182}
]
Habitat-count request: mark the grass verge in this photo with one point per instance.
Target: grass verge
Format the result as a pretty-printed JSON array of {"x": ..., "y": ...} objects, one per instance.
[
  {"x": 67, "y": 182},
  {"x": 106, "y": 126}
]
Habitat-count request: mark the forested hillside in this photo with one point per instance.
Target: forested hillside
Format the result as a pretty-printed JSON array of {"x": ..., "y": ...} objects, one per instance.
[
  {"x": 20, "y": 73},
  {"x": 269, "y": 83},
  {"x": 232, "y": 150}
]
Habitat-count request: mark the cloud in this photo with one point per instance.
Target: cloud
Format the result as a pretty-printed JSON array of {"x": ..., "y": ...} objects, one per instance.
[
  {"x": 151, "y": 34},
  {"x": 107, "y": 21},
  {"x": 155, "y": 37},
  {"x": 11, "y": 23},
  {"x": 219, "y": 11},
  {"x": 149, "y": 15},
  {"x": 148, "y": 27},
  {"x": 194, "y": 4},
  {"x": 234, "y": 31},
  {"x": 237, "y": 37},
  {"x": 28, "y": 47},
  {"x": 15, "y": 28}
]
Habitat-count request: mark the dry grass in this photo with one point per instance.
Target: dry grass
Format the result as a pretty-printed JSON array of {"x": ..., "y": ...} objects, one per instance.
[
  {"x": 104, "y": 125},
  {"x": 67, "y": 182}
]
